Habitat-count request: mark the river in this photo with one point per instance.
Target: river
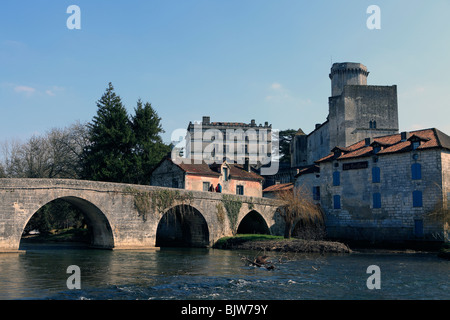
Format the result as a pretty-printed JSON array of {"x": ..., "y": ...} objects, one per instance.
[{"x": 208, "y": 274}]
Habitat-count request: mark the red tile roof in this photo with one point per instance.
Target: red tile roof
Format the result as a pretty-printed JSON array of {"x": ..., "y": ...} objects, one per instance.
[
  {"x": 429, "y": 138},
  {"x": 279, "y": 187},
  {"x": 237, "y": 172}
]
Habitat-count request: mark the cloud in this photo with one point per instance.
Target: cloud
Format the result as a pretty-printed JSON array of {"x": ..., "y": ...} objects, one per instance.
[
  {"x": 24, "y": 90},
  {"x": 53, "y": 91},
  {"x": 277, "y": 92},
  {"x": 276, "y": 86}
]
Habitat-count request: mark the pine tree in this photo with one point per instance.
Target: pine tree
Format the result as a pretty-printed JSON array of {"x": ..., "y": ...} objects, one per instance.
[
  {"x": 109, "y": 155},
  {"x": 149, "y": 147}
]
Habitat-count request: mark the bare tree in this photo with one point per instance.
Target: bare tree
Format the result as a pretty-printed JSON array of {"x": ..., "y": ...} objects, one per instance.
[
  {"x": 56, "y": 154},
  {"x": 298, "y": 205}
]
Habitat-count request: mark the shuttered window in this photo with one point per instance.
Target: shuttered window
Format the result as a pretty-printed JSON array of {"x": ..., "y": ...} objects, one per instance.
[
  {"x": 417, "y": 199},
  {"x": 337, "y": 201},
  {"x": 376, "y": 178},
  {"x": 376, "y": 200},
  {"x": 416, "y": 171},
  {"x": 336, "y": 178}
]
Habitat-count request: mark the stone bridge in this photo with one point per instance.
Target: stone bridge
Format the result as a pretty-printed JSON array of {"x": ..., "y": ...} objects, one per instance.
[{"x": 125, "y": 216}]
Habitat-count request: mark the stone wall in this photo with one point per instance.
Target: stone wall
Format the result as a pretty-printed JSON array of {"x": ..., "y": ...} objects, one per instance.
[
  {"x": 350, "y": 114},
  {"x": 168, "y": 175}
]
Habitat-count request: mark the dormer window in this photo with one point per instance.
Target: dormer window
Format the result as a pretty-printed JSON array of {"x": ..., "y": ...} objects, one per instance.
[
  {"x": 416, "y": 141},
  {"x": 376, "y": 147},
  {"x": 225, "y": 174}
]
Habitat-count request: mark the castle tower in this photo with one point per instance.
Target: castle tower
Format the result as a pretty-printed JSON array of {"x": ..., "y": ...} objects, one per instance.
[{"x": 347, "y": 73}]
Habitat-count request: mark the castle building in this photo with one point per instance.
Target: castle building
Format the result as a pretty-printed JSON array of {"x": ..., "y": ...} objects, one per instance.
[
  {"x": 235, "y": 142},
  {"x": 356, "y": 111}
]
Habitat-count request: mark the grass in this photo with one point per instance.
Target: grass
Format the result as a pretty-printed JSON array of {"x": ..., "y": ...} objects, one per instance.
[{"x": 226, "y": 242}]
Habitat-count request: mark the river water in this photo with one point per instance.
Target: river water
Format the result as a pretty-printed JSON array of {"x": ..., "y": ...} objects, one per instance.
[{"x": 208, "y": 274}]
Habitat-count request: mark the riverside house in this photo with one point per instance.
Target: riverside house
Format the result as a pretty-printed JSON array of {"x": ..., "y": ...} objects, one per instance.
[
  {"x": 233, "y": 178},
  {"x": 394, "y": 188}
]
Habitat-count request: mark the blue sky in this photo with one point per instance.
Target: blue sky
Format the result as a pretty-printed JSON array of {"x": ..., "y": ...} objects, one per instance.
[{"x": 234, "y": 60}]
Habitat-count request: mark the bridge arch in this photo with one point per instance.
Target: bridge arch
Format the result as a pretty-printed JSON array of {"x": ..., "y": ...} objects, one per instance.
[
  {"x": 253, "y": 223},
  {"x": 182, "y": 226},
  {"x": 100, "y": 230}
]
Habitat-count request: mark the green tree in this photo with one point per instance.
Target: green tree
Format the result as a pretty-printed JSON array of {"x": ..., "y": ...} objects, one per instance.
[
  {"x": 285, "y": 138},
  {"x": 109, "y": 157},
  {"x": 149, "y": 148}
]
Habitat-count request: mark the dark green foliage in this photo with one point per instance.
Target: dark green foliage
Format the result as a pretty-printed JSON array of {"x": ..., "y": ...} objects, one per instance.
[
  {"x": 148, "y": 145},
  {"x": 123, "y": 149},
  {"x": 109, "y": 155},
  {"x": 285, "y": 138}
]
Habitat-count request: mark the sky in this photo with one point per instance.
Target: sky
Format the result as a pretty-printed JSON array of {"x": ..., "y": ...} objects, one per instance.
[{"x": 232, "y": 60}]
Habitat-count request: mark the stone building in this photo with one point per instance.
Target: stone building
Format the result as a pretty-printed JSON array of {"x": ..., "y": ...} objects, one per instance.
[
  {"x": 356, "y": 111},
  {"x": 391, "y": 188},
  {"x": 235, "y": 142},
  {"x": 234, "y": 178}
]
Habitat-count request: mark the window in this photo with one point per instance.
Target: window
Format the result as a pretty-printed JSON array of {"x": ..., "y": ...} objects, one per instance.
[
  {"x": 336, "y": 178},
  {"x": 376, "y": 178},
  {"x": 418, "y": 228},
  {"x": 205, "y": 186},
  {"x": 225, "y": 174},
  {"x": 337, "y": 202},
  {"x": 417, "y": 199},
  {"x": 240, "y": 190},
  {"x": 316, "y": 193},
  {"x": 416, "y": 171},
  {"x": 415, "y": 144},
  {"x": 376, "y": 200}
]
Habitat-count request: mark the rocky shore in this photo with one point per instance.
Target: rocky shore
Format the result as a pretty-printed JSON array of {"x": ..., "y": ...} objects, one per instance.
[{"x": 287, "y": 245}]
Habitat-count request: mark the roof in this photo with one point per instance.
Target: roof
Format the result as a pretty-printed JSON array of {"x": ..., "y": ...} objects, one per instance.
[
  {"x": 201, "y": 169},
  {"x": 310, "y": 169},
  {"x": 237, "y": 172},
  {"x": 279, "y": 187},
  {"x": 429, "y": 139}
]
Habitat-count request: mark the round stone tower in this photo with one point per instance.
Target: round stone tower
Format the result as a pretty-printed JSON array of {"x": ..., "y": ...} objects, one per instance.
[{"x": 347, "y": 73}]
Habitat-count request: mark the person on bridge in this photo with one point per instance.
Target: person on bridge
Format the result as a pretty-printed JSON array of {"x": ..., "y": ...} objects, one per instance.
[
  {"x": 219, "y": 188},
  {"x": 211, "y": 188}
]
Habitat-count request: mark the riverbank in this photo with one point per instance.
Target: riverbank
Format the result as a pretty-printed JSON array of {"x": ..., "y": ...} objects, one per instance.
[
  {"x": 280, "y": 244},
  {"x": 63, "y": 235}
]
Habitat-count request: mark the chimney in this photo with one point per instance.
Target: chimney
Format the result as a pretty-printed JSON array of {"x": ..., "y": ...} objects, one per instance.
[
  {"x": 367, "y": 142},
  {"x": 404, "y": 136},
  {"x": 247, "y": 165},
  {"x": 206, "y": 120},
  {"x": 253, "y": 123}
]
